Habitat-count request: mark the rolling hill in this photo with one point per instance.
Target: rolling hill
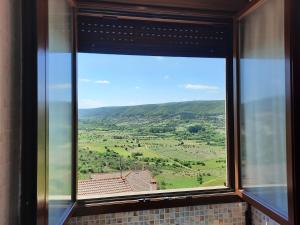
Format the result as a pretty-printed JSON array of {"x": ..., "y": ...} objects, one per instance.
[
  {"x": 182, "y": 144},
  {"x": 185, "y": 109}
]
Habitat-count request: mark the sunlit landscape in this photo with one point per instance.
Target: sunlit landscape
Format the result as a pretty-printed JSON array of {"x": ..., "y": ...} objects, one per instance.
[{"x": 148, "y": 147}]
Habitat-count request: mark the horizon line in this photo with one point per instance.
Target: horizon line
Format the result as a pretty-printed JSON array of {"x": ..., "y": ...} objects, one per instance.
[{"x": 152, "y": 104}]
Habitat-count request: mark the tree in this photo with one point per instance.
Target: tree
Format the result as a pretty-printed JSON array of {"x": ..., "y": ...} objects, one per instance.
[
  {"x": 196, "y": 129},
  {"x": 199, "y": 178}
]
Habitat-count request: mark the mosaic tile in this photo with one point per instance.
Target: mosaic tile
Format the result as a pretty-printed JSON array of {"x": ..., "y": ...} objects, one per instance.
[{"x": 218, "y": 214}]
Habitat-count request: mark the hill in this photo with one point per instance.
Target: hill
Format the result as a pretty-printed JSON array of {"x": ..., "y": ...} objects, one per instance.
[
  {"x": 182, "y": 144},
  {"x": 184, "y": 109}
]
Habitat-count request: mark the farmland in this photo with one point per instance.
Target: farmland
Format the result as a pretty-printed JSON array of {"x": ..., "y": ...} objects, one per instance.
[{"x": 182, "y": 143}]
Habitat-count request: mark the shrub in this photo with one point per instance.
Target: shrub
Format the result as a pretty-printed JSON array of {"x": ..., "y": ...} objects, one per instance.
[
  {"x": 137, "y": 154},
  {"x": 195, "y": 129},
  {"x": 199, "y": 178}
]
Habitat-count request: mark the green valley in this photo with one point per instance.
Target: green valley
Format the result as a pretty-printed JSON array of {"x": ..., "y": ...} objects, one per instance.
[{"x": 182, "y": 144}]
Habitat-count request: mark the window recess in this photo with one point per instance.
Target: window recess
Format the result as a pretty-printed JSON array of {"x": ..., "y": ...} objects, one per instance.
[
  {"x": 157, "y": 35},
  {"x": 136, "y": 41}
]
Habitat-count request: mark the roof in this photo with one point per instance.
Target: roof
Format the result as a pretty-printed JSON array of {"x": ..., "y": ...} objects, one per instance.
[{"x": 112, "y": 183}]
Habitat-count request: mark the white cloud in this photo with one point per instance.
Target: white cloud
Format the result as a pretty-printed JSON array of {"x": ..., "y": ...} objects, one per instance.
[
  {"x": 200, "y": 87},
  {"x": 137, "y": 87},
  {"x": 166, "y": 77},
  {"x": 89, "y": 103},
  {"x": 103, "y": 82},
  {"x": 60, "y": 86},
  {"x": 84, "y": 80}
]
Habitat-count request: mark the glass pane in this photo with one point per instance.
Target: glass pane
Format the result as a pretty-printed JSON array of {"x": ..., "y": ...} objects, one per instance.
[
  {"x": 150, "y": 124},
  {"x": 60, "y": 109},
  {"x": 263, "y": 106}
]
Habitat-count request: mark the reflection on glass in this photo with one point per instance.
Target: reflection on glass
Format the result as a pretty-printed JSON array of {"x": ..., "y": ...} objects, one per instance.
[
  {"x": 150, "y": 124},
  {"x": 60, "y": 110},
  {"x": 262, "y": 109}
]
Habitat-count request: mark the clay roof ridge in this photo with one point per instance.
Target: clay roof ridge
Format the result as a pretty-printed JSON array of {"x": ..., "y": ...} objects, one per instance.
[{"x": 93, "y": 179}]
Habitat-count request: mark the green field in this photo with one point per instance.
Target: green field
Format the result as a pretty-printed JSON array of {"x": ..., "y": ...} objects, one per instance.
[{"x": 182, "y": 144}]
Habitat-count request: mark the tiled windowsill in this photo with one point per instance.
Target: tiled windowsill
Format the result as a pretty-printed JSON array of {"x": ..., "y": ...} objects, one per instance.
[{"x": 225, "y": 214}]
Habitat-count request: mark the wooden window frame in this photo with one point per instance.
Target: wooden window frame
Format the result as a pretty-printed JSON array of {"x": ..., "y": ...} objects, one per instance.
[
  {"x": 174, "y": 198},
  {"x": 34, "y": 160},
  {"x": 252, "y": 199}
]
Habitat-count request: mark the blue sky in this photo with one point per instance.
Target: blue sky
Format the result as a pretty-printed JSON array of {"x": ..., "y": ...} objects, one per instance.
[{"x": 118, "y": 80}]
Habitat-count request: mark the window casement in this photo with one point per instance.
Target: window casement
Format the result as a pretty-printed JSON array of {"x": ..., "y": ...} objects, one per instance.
[
  {"x": 259, "y": 89},
  {"x": 264, "y": 109}
]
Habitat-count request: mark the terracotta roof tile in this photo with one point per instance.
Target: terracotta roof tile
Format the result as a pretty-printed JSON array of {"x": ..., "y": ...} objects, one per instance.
[
  {"x": 103, "y": 186},
  {"x": 112, "y": 183}
]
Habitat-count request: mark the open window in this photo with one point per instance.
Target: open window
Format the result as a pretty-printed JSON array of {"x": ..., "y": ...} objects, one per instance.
[
  {"x": 48, "y": 181},
  {"x": 157, "y": 105},
  {"x": 265, "y": 108},
  {"x": 153, "y": 108}
]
